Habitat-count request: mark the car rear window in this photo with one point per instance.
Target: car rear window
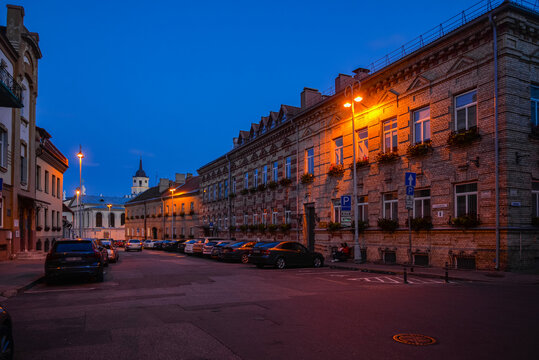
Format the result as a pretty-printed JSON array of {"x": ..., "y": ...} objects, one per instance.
[
  {"x": 237, "y": 244},
  {"x": 75, "y": 246},
  {"x": 211, "y": 243},
  {"x": 134, "y": 241}
]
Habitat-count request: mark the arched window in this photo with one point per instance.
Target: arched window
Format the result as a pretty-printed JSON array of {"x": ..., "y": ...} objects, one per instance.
[
  {"x": 98, "y": 220},
  {"x": 111, "y": 220},
  {"x": 122, "y": 219}
]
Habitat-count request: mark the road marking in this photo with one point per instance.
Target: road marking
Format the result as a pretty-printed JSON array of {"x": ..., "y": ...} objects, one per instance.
[
  {"x": 333, "y": 281},
  {"x": 392, "y": 280},
  {"x": 57, "y": 290}
]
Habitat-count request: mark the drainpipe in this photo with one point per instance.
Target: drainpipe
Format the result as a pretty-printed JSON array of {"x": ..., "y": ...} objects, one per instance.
[
  {"x": 297, "y": 177},
  {"x": 145, "y": 216},
  {"x": 496, "y": 138},
  {"x": 229, "y": 200}
]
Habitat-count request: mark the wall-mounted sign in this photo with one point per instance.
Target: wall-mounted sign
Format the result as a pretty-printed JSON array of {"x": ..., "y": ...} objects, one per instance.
[{"x": 439, "y": 206}]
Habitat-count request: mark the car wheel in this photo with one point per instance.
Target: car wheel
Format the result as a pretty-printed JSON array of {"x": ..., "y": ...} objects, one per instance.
[
  {"x": 280, "y": 263},
  {"x": 100, "y": 276},
  {"x": 6, "y": 343},
  {"x": 318, "y": 262},
  {"x": 244, "y": 259}
]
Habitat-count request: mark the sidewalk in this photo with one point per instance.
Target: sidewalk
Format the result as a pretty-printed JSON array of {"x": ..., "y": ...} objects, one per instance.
[
  {"x": 16, "y": 275},
  {"x": 500, "y": 277}
]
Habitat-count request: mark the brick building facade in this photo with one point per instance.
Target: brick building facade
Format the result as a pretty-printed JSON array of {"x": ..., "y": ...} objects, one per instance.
[{"x": 431, "y": 112}]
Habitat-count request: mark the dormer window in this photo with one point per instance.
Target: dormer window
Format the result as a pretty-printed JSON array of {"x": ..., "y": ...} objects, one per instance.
[
  {"x": 284, "y": 118},
  {"x": 272, "y": 124},
  {"x": 263, "y": 130}
]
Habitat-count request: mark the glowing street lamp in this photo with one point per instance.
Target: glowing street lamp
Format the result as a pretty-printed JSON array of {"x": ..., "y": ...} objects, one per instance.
[
  {"x": 80, "y": 156},
  {"x": 109, "y": 206},
  {"x": 349, "y": 92},
  {"x": 172, "y": 208},
  {"x": 78, "y": 208}
]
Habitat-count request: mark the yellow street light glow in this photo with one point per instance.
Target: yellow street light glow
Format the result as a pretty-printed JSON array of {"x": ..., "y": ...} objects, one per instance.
[
  {"x": 358, "y": 99},
  {"x": 347, "y": 105},
  {"x": 109, "y": 205},
  {"x": 77, "y": 191},
  {"x": 80, "y": 155}
]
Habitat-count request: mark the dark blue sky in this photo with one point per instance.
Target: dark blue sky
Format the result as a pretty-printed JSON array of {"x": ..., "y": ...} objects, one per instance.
[{"x": 174, "y": 81}]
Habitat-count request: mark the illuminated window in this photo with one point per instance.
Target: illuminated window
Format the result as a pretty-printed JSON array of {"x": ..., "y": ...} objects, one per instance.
[
  {"x": 363, "y": 144},
  {"x": 274, "y": 217},
  {"x": 422, "y": 125},
  {"x": 288, "y": 217},
  {"x": 246, "y": 181},
  {"x": 336, "y": 214},
  {"x": 466, "y": 111},
  {"x": 338, "y": 145},
  {"x": 390, "y": 135}
]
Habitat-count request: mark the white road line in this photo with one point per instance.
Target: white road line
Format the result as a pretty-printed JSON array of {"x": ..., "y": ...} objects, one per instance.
[
  {"x": 323, "y": 272},
  {"x": 392, "y": 280},
  {"x": 56, "y": 290},
  {"x": 333, "y": 281}
]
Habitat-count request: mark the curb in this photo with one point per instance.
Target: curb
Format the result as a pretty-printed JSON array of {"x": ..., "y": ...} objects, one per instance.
[
  {"x": 16, "y": 291},
  {"x": 386, "y": 272}
]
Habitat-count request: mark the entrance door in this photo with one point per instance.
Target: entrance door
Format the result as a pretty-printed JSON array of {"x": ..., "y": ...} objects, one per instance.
[
  {"x": 310, "y": 219},
  {"x": 154, "y": 233}
]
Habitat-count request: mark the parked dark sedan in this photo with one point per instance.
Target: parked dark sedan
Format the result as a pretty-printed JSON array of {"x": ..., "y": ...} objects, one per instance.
[
  {"x": 174, "y": 246},
  {"x": 238, "y": 251},
  {"x": 284, "y": 253},
  {"x": 6, "y": 335},
  {"x": 74, "y": 257}
]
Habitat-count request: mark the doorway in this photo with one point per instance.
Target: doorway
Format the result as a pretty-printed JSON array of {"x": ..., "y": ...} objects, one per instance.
[{"x": 154, "y": 233}]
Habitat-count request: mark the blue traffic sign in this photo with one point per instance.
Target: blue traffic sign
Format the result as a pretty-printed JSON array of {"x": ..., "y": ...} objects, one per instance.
[
  {"x": 410, "y": 190},
  {"x": 409, "y": 179},
  {"x": 346, "y": 203}
]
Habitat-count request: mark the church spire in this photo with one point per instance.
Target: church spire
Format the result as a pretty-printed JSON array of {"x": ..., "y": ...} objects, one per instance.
[{"x": 140, "y": 172}]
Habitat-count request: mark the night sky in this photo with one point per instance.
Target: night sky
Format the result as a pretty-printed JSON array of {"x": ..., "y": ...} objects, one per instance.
[{"x": 175, "y": 81}]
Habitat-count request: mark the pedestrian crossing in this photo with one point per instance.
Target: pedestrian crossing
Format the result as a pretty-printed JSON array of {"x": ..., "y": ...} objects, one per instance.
[{"x": 352, "y": 277}]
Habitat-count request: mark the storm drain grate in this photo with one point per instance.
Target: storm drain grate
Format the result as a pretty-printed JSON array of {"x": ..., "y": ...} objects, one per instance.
[{"x": 414, "y": 339}]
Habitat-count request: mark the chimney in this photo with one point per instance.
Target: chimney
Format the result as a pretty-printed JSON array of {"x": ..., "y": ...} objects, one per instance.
[
  {"x": 189, "y": 175},
  {"x": 15, "y": 24},
  {"x": 342, "y": 81},
  {"x": 163, "y": 184},
  {"x": 180, "y": 178},
  {"x": 361, "y": 73},
  {"x": 310, "y": 97}
]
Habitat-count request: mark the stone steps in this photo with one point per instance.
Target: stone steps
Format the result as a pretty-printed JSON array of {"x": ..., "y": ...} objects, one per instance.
[{"x": 31, "y": 255}]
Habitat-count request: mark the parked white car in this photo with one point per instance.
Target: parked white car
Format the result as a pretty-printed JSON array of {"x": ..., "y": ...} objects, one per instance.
[
  {"x": 189, "y": 245},
  {"x": 133, "y": 244},
  {"x": 148, "y": 244}
]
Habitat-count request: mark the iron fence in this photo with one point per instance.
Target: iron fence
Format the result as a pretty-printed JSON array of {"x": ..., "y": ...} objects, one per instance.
[{"x": 10, "y": 83}]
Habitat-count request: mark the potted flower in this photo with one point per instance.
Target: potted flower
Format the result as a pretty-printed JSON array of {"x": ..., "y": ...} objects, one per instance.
[
  {"x": 388, "y": 225},
  {"x": 182, "y": 236},
  {"x": 253, "y": 227},
  {"x": 285, "y": 227},
  {"x": 244, "y": 192},
  {"x": 232, "y": 196},
  {"x": 252, "y": 190},
  {"x": 272, "y": 228},
  {"x": 419, "y": 149},
  {"x": 262, "y": 227},
  {"x": 191, "y": 236},
  {"x": 182, "y": 214},
  {"x": 272, "y": 185},
  {"x": 244, "y": 228},
  {"x": 191, "y": 212},
  {"x": 261, "y": 187},
  {"x": 47, "y": 228},
  {"x": 39, "y": 228},
  {"x": 387, "y": 157},
  {"x": 336, "y": 170},
  {"x": 464, "y": 136},
  {"x": 307, "y": 178},
  {"x": 232, "y": 228},
  {"x": 420, "y": 223},
  {"x": 360, "y": 163},
  {"x": 466, "y": 221},
  {"x": 284, "y": 182},
  {"x": 333, "y": 226}
]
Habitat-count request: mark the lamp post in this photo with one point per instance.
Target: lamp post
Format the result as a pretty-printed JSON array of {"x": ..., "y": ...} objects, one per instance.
[
  {"x": 78, "y": 209},
  {"x": 109, "y": 206},
  {"x": 172, "y": 208},
  {"x": 349, "y": 91},
  {"x": 80, "y": 156}
]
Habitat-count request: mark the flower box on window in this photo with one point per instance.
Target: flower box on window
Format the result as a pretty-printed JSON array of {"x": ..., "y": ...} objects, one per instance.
[
  {"x": 464, "y": 137},
  {"x": 182, "y": 236},
  {"x": 232, "y": 196},
  {"x": 360, "y": 163},
  {"x": 244, "y": 192},
  {"x": 232, "y": 228},
  {"x": 361, "y": 226},
  {"x": 285, "y": 182},
  {"x": 244, "y": 228},
  {"x": 388, "y": 225},
  {"x": 285, "y": 227},
  {"x": 272, "y": 185},
  {"x": 39, "y": 228},
  {"x": 159, "y": 215},
  {"x": 466, "y": 221},
  {"x": 166, "y": 215},
  {"x": 420, "y": 223},
  {"x": 535, "y": 221},
  {"x": 262, "y": 227},
  {"x": 253, "y": 227},
  {"x": 336, "y": 170},
  {"x": 191, "y": 212},
  {"x": 334, "y": 226},
  {"x": 420, "y": 149},
  {"x": 307, "y": 178},
  {"x": 261, "y": 187},
  {"x": 272, "y": 228},
  {"x": 47, "y": 228},
  {"x": 182, "y": 214},
  {"x": 153, "y": 215},
  {"x": 252, "y": 190},
  {"x": 387, "y": 157},
  {"x": 191, "y": 236}
]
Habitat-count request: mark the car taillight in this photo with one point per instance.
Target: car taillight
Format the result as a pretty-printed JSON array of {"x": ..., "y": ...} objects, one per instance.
[{"x": 265, "y": 252}]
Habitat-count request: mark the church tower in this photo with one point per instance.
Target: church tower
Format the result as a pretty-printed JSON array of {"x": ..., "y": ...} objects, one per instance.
[{"x": 140, "y": 181}]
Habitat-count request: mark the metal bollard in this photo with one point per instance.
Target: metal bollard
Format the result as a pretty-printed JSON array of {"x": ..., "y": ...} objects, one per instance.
[
  {"x": 405, "y": 274},
  {"x": 412, "y": 269},
  {"x": 446, "y": 273}
]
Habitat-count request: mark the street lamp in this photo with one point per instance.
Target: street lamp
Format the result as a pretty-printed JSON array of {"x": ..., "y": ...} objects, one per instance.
[
  {"x": 78, "y": 209},
  {"x": 172, "y": 208},
  {"x": 349, "y": 91},
  {"x": 80, "y": 156},
  {"x": 109, "y": 206}
]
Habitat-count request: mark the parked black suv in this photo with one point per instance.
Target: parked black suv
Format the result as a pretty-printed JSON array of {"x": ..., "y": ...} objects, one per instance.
[
  {"x": 6, "y": 335},
  {"x": 284, "y": 253},
  {"x": 74, "y": 257}
]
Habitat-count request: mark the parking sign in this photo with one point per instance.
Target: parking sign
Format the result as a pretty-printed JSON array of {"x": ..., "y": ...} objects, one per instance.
[{"x": 346, "y": 203}]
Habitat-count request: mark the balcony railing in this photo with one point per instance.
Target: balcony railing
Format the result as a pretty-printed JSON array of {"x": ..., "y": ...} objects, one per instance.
[{"x": 10, "y": 90}]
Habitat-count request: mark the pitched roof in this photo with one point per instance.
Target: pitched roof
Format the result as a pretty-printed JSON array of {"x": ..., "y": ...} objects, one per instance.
[
  {"x": 151, "y": 193},
  {"x": 93, "y": 199}
]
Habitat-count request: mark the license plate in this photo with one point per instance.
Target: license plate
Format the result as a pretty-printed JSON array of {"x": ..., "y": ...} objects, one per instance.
[{"x": 73, "y": 259}]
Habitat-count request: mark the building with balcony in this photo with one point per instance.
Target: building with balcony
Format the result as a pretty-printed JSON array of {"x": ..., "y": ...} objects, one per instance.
[
  {"x": 19, "y": 56},
  {"x": 434, "y": 108}
]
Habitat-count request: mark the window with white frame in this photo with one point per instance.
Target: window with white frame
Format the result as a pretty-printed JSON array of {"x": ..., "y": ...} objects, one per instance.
[
  {"x": 363, "y": 208},
  {"x": 265, "y": 175},
  {"x": 390, "y": 135},
  {"x": 287, "y": 216},
  {"x": 255, "y": 178},
  {"x": 466, "y": 199},
  {"x": 422, "y": 125},
  {"x": 3, "y": 147},
  {"x": 336, "y": 213},
  {"x": 226, "y": 189},
  {"x": 466, "y": 111},
  {"x": 422, "y": 207},
  {"x": 309, "y": 161},
  {"x": 233, "y": 220},
  {"x": 264, "y": 217},
  {"x": 245, "y": 219},
  {"x": 246, "y": 181},
  {"x": 275, "y": 171},
  {"x": 233, "y": 185},
  {"x": 220, "y": 196},
  {"x": 274, "y": 217},
  {"x": 535, "y": 199},
  {"x": 391, "y": 202},
  {"x": 363, "y": 144},
  {"x": 535, "y": 105},
  {"x": 255, "y": 219},
  {"x": 338, "y": 148},
  {"x": 288, "y": 167}
]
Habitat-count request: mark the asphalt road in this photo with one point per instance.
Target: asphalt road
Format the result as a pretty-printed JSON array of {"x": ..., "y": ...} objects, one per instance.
[{"x": 156, "y": 305}]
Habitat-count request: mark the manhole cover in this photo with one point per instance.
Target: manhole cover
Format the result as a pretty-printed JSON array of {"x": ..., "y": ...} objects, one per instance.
[{"x": 414, "y": 339}]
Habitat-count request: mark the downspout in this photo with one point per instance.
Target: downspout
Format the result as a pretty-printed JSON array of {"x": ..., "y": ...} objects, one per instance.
[
  {"x": 496, "y": 138},
  {"x": 297, "y": 177},
  {"x": 229, "y": 200},
  {"x": 145, "y": 228}
]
